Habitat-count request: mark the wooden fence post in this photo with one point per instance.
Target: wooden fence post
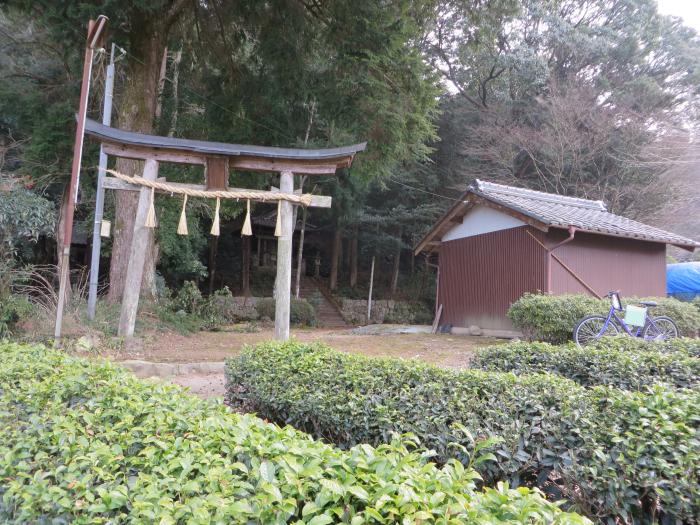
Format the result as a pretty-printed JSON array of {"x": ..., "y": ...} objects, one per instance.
[
  {"x": 369, "y": 299},
  {"x": 139, "y": 243}
]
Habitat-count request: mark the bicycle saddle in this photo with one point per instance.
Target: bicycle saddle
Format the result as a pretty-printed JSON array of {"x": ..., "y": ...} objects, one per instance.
[{"x": 649, "y": 304}]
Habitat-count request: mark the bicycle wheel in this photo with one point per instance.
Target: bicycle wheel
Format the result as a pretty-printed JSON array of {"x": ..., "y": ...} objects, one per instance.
[
  {"x": 591, "y": 328},
  {"x": 660, "y": 329}
]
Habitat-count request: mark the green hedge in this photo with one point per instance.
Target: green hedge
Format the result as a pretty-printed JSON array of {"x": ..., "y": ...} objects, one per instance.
[
  {"x": 301, "y": 312},
  {"x": 566, "y": 439},
  {"x": 682, "y": 346},
  {"x": 552, "y": 318},
  {"x": 84, "y": 442},
  {"x": 627, "y": 369}
]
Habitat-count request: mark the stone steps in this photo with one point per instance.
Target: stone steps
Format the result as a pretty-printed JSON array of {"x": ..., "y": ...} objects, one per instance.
[{"x": 326, "y": 312}]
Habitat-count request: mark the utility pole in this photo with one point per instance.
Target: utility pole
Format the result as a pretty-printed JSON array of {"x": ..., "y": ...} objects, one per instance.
[
  {"x": 95, "y": 32},
  {"x": 100, "y": 196}
]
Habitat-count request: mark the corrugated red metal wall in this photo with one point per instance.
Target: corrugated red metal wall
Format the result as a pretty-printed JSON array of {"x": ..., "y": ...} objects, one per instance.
[
  {"x": 608, "y": 263},
  {"x": 481, "y": 276}
]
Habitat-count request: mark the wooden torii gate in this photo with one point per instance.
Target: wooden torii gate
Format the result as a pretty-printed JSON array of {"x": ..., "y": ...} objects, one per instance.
[{"x": 217, "y": 158}]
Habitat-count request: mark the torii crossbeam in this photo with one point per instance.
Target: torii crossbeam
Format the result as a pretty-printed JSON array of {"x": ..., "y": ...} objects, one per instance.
[{"x": 217, "y": 158}]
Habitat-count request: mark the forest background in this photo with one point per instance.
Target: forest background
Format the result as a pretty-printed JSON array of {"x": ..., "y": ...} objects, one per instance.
[{"x": 593, "y": 98}]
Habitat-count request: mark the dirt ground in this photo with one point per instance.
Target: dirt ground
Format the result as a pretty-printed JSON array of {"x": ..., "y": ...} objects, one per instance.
[
  {"x": 205, "y": 386},
  {"x": 439, "y": 349}
]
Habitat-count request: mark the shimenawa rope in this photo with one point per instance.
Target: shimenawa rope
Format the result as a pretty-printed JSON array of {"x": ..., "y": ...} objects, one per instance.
[{"x": 263, "y": 196}]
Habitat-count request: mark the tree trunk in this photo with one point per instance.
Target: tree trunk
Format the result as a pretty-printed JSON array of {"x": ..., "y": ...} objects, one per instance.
[
  {"x": 395, "y": 269},
  {"x": 136, "y": 109},
  {"x": 213, "y": 251},
  {"x": 161, "y": 83},
  {"x": 258, "y": 258},
  {"x": 335, "y": 257},
  {"x": 353, "y": 258},
  {"x": 176, "y": 78},
  {"x": 426, "y": 269},
  {"x": 300, "y": 252},
  {"x": 245, "y": 266}
]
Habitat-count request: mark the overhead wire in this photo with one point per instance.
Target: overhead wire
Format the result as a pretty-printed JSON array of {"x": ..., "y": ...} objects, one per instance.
[{"x": 414, "y": 188}]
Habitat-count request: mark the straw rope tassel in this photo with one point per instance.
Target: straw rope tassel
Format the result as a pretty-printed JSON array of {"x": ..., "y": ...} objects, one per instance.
[
  {"x": 182, "y": 225},
  {"x": 278, "y": 224},
  {"x": 151, "y": 217},
  {"x": 215, "y": 224},
  {"x": 247, "y": 230}
]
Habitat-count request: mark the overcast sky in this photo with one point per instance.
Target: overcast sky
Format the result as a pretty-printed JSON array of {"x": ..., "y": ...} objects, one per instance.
[{"x": 688, "y": 10}]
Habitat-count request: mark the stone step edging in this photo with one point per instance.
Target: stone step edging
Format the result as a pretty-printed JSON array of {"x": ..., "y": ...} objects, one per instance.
[{"x": 144, "y": 369}]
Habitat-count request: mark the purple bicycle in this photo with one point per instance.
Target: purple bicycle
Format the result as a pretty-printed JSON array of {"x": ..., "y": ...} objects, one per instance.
[{"x": 591, "y": 328}]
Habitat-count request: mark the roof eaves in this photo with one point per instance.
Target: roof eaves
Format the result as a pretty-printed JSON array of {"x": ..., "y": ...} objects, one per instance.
[
  {"x": 516, "y": 208},
  {"x": 430, "y": 234},
  {"x": 132, "y": 138}
]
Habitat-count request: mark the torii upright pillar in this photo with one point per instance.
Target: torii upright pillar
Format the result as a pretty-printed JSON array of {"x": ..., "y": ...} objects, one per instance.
[
  {"x": 137, "y": 257},
  {"x": 283, "y": 281}
]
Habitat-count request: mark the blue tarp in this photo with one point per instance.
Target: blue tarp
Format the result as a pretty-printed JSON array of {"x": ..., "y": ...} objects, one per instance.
[{"x": 683, "y": 280}]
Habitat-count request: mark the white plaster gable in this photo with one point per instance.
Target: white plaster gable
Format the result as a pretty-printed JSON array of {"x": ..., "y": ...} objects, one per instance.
[{"x": 481, "y": 219}]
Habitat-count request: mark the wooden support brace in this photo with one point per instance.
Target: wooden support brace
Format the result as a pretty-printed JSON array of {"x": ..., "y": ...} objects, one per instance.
[
  {"x": 137, "y": 258},
  {"x": 567, "y": 268}
]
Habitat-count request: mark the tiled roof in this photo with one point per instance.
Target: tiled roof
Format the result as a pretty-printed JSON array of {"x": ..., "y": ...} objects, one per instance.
[{"x": 562, "y": 212}]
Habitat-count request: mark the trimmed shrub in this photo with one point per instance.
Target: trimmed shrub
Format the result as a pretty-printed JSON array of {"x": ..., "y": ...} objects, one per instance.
[
  {"x": 683, "y": 346},
  {"x": 13, "y": 309},
  {"x": 409, "y": 313},
  {"x": 85, "y": 442},
  {"x": 552, "y": 433},
  {"x": 188, "y": 298},
  {"x": 301, "y": 312},
  {"x": 627, "y": 369},
  {"x": 552, "y": 318}
]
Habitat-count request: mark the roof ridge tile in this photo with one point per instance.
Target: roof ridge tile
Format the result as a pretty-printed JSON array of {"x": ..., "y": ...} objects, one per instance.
[{"x": 487, "y": 187}]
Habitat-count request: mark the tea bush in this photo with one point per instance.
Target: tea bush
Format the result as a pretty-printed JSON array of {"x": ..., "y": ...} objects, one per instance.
[
  {"x": 84, "y": 442},
  {"x": 302, "y": 313},
  {"x": 682, "y": 346},
  {"x": 552, "y": 318},
  {"x": 568, "y": 440},
  {"x": 626, "y": 369}
]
